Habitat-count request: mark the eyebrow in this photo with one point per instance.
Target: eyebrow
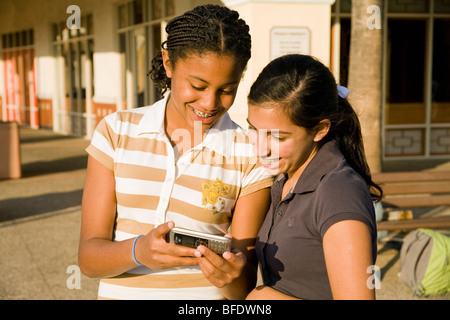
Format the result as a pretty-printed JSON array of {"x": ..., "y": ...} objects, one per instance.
[
  {"x": 204, "y": 81},
  {"x": 279, "y": 131}
]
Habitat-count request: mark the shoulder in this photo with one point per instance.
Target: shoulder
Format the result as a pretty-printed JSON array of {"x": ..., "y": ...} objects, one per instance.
[
  {"x": 130, "y": 115},
  {"x": 125, "y": 120},
  {"x": 343, "y": 180},
  {"x": 342, "y": 195}
]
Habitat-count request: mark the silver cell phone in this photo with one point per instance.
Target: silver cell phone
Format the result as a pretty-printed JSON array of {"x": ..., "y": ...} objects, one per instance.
[{"x": 193, "y": 239}]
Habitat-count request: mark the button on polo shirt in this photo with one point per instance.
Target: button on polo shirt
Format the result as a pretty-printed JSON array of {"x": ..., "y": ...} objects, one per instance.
[{"x": 289, "y": 244}]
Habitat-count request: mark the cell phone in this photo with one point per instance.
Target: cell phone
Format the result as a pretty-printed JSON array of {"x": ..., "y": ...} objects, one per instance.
[{"x": 193, "y": 239}]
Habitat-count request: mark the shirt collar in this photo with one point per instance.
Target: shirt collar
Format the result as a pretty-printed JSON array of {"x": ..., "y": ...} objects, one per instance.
[
  {"x": 153, "y": 119},
  {"x": 219, "y": 138},
  {"x": 326, "y": 159}
]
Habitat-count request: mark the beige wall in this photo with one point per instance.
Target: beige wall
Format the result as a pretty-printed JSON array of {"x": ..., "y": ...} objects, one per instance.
[{"x": 262, "y": 16}]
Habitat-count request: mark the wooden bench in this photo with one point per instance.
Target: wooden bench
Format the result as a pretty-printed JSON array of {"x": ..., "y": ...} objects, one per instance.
[{"x": 414, "y": 190}]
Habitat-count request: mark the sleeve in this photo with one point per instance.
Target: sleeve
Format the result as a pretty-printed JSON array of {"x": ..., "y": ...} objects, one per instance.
[
  {"x": 344, "y": 197},
  {"x": 104, "y": 142},
  {"x": 255, "y": 178}
]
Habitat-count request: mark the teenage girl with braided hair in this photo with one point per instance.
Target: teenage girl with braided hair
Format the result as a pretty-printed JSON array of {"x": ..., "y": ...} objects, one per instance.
[
  {"x": 319, "y": 238},
  {"x": 180, "y": 162}
]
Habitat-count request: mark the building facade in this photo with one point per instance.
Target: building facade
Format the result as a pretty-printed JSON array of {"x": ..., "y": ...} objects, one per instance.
[{"x": 66, "y": 64}]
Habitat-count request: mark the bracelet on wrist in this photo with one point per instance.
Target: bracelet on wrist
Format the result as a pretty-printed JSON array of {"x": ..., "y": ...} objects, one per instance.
[{"x": 132, "y": 249}]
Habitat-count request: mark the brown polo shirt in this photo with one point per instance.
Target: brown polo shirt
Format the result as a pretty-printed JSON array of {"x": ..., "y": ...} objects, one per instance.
[{"x": 289, "y": 244}]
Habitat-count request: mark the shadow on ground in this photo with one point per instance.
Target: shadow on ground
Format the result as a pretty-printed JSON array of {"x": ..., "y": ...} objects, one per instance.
[
  {"x": 54, "y": 166},
  {"x": 21, "y": 207}
]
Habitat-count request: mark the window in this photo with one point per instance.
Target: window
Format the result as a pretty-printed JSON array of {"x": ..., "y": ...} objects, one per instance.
[
  {"x": 440, "y": 94},
  {"x": 140, "y": 35},
  {"x": 409, "y": 6},
  {"x": 406, "y": 63},
  {"x": 19, "y": 77},
  {"x": 416, "y": 101},
  {"x": 75, "y": 48},
  {"x": 440, "y": 89},
  {"x": 18, "y": 39}
]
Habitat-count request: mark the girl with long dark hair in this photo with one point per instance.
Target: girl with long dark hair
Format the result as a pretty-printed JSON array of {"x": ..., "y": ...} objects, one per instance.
[{"x": 318, "y": 240}]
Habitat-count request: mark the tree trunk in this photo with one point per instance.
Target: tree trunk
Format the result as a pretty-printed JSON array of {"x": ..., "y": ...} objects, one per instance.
[{"x": 365, "y": 74}]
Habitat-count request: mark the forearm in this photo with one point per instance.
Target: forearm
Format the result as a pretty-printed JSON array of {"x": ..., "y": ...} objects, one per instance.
[
  {"x": 99, "y": 257},
  {"x": 241, "y": 286},
  {"x": 244, "y": 228}
]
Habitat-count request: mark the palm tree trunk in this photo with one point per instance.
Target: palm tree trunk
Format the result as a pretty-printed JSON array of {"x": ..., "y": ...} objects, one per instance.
[{"x": 365, "y": 74}]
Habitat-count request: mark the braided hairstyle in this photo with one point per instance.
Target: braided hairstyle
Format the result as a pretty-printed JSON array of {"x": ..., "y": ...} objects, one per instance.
[{"x": 208, "y": 28}]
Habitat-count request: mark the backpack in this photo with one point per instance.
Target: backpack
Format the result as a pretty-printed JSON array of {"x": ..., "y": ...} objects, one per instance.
[{"x": 425, "y": 262}]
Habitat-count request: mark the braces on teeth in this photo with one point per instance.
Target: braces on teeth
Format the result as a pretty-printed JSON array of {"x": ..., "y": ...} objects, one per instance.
[{"x": 201, "y": 114}]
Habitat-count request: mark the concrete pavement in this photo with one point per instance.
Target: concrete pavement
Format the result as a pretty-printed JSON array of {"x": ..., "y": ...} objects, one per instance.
[{"x": 40, "y": 221}]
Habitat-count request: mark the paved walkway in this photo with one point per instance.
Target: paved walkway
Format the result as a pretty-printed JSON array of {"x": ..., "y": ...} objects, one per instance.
[{"x": 40, "y": 221}]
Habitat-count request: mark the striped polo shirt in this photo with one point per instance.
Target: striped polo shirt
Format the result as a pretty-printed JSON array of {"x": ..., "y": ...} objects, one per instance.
[{"x": 197, "y": 190}]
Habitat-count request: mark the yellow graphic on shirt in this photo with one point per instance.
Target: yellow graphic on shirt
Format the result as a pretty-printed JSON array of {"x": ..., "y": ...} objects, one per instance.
[{"x": 212, "y": 193}]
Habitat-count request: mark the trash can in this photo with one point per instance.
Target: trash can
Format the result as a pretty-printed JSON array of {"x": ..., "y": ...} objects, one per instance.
[{"x": 10, "y": 167}]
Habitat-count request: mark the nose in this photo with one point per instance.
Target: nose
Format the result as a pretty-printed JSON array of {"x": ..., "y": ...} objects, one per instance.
[
  {"x": 209, "y": 101},
  {"x": 261, "y": 143}
]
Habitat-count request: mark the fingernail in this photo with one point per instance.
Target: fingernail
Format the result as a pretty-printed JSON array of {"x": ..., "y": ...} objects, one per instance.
[
  {"x": 201, "y": 249},
  {"x": 226, "y": 255}
]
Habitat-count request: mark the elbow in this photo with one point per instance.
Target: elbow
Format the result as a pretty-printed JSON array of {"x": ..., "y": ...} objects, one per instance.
[
  {"x": 87, "y": 271},
  {"x": 84, "y": 265}
]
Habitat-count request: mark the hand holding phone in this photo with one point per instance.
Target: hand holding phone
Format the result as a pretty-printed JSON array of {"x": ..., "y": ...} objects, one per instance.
[
  {"x": 220, "y": 269},
  {"x": 193, "y": 239},
  {"x": 218, "y": 262},
  {"x": 153, "y": 250}
]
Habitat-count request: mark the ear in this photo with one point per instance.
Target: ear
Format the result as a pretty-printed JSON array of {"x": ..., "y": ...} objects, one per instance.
[
  {"x": 166, "y": 63},
  {"x": 321, "y": 130}
]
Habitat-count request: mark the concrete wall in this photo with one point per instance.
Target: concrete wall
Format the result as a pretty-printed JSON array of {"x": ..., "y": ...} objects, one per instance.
[{"x": 262, "y": 16}]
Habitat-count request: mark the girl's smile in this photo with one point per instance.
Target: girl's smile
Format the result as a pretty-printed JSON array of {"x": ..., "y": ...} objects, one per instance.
[
  {"x": 281, "y": 146},
  {"x": 204, "y": 87}
]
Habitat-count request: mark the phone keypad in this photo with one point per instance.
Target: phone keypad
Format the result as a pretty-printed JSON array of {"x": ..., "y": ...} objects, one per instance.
[{"x": 218, "y": 247}]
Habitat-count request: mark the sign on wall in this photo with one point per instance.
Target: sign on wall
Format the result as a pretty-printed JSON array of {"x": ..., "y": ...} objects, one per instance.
[{"x": 285, "y": 40}]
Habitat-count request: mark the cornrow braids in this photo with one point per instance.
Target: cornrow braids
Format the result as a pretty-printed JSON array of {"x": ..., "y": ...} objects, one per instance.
[{"x": 208, "y": 28}]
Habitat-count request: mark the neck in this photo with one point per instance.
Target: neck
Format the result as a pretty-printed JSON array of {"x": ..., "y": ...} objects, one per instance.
[
  {"x": 295, "y": 175},
  {"x": 180, "y": 134}
]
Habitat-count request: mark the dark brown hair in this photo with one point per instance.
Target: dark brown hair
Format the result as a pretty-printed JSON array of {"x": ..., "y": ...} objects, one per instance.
[{"x": 307, "y": 91}]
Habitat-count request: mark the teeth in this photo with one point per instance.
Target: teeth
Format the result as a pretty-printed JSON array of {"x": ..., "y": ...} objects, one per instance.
[
  {"x": 270, "y": 161},
  {"x": 202, "y": 114}
]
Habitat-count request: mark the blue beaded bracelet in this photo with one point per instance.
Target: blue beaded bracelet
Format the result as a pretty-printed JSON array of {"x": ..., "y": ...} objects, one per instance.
[{"x": 134, "y": 244}]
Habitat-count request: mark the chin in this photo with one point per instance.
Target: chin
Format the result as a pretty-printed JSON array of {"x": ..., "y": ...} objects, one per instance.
[{"x": 273, "y": 171}]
